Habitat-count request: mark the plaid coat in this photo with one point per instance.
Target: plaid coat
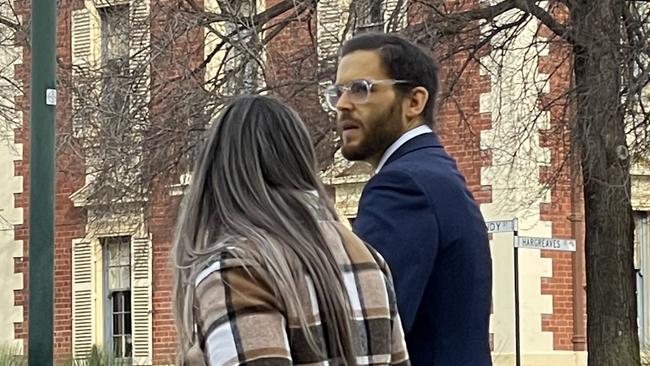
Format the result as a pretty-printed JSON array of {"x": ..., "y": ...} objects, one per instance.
[{"x": 241, "y": 322}]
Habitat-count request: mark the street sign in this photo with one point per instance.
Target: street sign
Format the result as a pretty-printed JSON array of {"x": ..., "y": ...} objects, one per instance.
[
  {"x": 545, "y": 243},
  {"x": 501, "y": 226},
  {"x": 525, "y": 242}
]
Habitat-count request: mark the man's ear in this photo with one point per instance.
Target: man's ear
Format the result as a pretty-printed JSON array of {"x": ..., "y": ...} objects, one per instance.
[{"x": 415, "y": 101}]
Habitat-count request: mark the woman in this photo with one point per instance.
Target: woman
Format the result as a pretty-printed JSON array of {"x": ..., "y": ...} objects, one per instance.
[{"x": 264, "y": 272}]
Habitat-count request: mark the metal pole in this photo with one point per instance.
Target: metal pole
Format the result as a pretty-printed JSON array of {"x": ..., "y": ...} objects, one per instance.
[
  {"x": 41, "y": 183},
  {"x": 517, "y": 333}
]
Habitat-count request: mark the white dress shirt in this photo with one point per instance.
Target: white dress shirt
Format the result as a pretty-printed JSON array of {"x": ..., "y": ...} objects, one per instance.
[{"x": 408, "y": 135}]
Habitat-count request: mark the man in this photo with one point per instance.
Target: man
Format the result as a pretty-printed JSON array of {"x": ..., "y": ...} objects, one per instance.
[{"x": 416, "y": 210}]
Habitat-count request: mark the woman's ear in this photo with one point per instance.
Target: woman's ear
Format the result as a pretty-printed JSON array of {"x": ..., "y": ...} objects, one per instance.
[{"x": 415, "y": 102}]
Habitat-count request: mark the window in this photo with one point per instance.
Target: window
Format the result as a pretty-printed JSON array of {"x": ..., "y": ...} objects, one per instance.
[
  {"x": 117, "y": 282},
  {"x": 115, "y": 133},
  {"x": 641, "y": 242},
  {"x": 375, "y": 12},
  {"x": 114, "y": 62},
  {"x": 370, "y": 16},
  {"x": 115, "y": 35},
  {"x": 241, "y": 64}
]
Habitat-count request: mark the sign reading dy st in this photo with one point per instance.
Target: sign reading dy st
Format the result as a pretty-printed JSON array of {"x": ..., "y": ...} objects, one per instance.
[{"x": 501, "y": 226}]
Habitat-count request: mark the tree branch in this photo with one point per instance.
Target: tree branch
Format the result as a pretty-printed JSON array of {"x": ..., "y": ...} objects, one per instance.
[
  {"x": 8, "y": 23},
  {"x": 454, "y": 23},
  {"x": 547, "y": 19},
  {"x": 448, "y": 24},
  {"x": 261, "y": 18}
]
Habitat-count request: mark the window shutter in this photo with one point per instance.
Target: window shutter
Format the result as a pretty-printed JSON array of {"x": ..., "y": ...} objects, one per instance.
[
  {"x": 329, "y": 18},
  {"x": 82, "y": 297},
  {"x": 329, "y": 38},
  {"x": 141, "y": 300},
  {"x": 82, "y": 73}
]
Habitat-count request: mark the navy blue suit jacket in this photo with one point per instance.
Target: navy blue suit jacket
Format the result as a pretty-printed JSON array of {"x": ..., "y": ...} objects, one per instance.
[{"x": 418, "y": 213}]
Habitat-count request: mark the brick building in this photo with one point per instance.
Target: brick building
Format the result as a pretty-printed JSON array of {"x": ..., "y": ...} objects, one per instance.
[{"x": 112, "y": 271}]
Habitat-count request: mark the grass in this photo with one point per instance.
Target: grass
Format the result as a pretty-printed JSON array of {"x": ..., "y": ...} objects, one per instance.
[{"x": 12, "y": 356}]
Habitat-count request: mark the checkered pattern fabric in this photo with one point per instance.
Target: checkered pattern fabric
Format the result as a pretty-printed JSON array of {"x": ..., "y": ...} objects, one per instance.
[{"x": 242, "y": 323}]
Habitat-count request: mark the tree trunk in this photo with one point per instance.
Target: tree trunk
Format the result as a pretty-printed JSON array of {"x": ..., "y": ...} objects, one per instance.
[{"x": 599, "y": 137}]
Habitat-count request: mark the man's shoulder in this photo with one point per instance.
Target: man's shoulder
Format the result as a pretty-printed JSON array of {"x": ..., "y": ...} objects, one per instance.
[
  {"x": 420, "y": 170},
  {"x": 437, "y": 179},
  {"x": 396, "y": 176}
]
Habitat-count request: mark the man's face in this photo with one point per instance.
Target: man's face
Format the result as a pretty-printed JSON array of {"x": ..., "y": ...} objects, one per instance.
[{"x": 367, "y": 128}]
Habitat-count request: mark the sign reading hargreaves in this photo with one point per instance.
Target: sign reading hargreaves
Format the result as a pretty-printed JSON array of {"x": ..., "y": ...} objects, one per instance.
[{"x": 545, "y": 243}]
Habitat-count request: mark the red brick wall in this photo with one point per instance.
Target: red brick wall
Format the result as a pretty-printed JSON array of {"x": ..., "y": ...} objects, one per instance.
[
  {"x": 69, "y": 221},
  {"x": 292, "y": 62},
  {"x": 460, "y": 123},
  {"x": 459, "y": 119},
  {"x": 171, "y": 90},
  {"x": 558, "y": 177},
  {"x": 160, "y": 223}
]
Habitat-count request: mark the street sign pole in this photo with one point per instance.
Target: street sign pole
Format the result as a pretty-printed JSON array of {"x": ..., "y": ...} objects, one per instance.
[
  {"x": 41, "y": 183},
  {"x": 526, "y": 242},
  {"x": 505, "y": 226},
  {"x": 517, "y": 328}
]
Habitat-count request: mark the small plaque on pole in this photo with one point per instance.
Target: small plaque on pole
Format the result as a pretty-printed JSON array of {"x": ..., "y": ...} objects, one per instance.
[{"x": 50, "y": 97}]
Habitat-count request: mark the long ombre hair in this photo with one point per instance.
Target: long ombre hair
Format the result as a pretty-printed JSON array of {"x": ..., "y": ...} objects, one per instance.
[{"x": 255, "y": 187}]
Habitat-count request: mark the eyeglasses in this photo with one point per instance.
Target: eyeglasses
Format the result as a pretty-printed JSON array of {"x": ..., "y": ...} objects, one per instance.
[{"x": 357, "y": 91}]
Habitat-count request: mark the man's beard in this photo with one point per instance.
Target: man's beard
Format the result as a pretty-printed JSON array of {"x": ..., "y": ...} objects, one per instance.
[{"x": 380, "y": 135}]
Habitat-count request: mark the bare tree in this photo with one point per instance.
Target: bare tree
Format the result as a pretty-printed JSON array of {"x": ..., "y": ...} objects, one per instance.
[{"x": 140, "y": 111}]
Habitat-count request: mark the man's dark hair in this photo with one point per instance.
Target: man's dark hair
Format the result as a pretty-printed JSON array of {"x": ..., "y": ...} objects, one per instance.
[{"x": 403, "y": 60}]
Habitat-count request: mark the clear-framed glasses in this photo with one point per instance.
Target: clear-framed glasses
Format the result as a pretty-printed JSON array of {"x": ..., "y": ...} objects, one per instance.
[{"x": 357, "y": 90}]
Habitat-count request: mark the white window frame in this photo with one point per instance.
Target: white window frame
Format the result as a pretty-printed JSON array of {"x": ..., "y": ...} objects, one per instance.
[{"x": 109, "y": 292}]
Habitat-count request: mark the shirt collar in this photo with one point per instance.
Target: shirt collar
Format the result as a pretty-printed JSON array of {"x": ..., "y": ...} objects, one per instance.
[{"x": 406, "y": 136}]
